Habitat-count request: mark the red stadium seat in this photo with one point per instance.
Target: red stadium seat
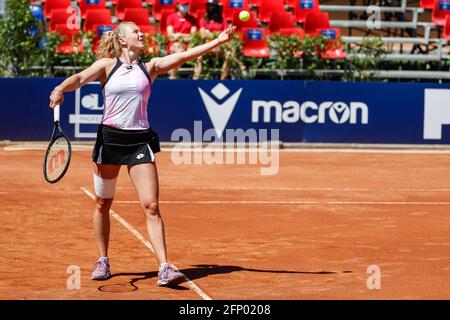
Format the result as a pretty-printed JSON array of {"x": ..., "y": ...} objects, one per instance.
[
  {"x": 291, "y": 3},
  {"x": 163, "y": 20},
  {"x": 55, "y": 4},
  {"x": 316, "y": 20},
  {"x": 58, "y": 16},
  {"x": 427, "y": 4},
  {"x": 255, "y": 3},
  {"x": 197, "y": 5},
  {"x": 268, "y": 7},
  {"x": 69, "y": 44},
  {"x": 232, "y": 6},
  {"x": 446, "y": 34},
  {"x": 440, "y": 10},
  {"x": 303, "y": 7},
  {"x": 139, "y": 16},
  {"x": 90, "y": 5},
  {"x": 280, "y": 20},
  {"x": 160, "y": 5},
  {"x": 255, "y": 43},
  {"x": 126, "y": 4},
  {"x": 334, "y": 48},
  {"x": 96, "y": 17},
  {"x": 251, "y": 23}
]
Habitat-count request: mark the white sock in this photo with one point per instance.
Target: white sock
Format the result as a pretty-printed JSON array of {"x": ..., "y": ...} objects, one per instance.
[
  {"x": 103, "y": 259},
  {"x": 162, "y": 265}
]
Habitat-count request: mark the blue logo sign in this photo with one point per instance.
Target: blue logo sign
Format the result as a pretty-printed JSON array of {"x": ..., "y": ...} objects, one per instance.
[
  {"x": 236, "y": 4},
  {"x": 444, "y": 5},
  {"x": 328, "y": 33},
  {"x": 254, "y": 34},
  {"x": 306, "y": 4},
  {"x": 102, "y": 29}
]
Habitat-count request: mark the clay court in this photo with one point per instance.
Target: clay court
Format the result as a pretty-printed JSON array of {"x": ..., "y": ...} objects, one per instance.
[{"x": 309, "y": 232}]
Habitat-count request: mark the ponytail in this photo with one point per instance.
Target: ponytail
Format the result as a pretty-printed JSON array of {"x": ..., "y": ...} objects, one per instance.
[{"x": 109, "y": 45}]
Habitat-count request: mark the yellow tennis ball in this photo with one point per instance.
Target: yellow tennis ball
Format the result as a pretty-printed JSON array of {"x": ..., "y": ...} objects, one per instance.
[{"x": 244, "y": 15}]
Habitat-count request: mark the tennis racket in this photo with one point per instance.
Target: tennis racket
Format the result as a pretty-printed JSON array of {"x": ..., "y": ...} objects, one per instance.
[{"x": 59, "y": 151}]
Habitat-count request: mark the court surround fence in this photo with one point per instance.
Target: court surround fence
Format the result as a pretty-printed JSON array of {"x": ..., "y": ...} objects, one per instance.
[{"x": 301, "y": 111}]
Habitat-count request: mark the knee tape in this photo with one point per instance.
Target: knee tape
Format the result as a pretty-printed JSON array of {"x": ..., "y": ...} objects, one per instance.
[{"x": 104, "y": 188}]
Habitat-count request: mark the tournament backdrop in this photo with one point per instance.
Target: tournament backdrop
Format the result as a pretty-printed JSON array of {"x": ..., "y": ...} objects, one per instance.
[{"x": 303, "y": 111}]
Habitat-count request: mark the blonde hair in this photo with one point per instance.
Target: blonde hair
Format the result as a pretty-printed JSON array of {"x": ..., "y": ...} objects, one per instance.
[{"x": 109, "y": 46}]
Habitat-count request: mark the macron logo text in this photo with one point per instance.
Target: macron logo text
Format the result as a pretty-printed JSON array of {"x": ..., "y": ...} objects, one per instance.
[{"x": 310, "y": 112}]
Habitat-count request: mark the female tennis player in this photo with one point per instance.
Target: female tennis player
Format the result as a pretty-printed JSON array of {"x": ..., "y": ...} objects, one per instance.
[{"x": 124, "y": 136}]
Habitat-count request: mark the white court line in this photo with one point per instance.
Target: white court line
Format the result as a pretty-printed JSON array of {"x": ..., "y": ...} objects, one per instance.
[
  {"x": 314, "y": 150},
  {"x": 136, "y": 233},
  {"x": 300, "y": 189},
  {"x": 367, "y": 151},
  {"x": 299, "y": 150},
  {"x": 42, "y": 148},
  {"x": 9, "y": 189},
  {"x": 301, "y": 202}
]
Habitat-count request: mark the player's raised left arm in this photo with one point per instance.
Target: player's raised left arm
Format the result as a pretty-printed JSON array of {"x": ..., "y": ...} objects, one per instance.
[{"x": 165, "y": 64}]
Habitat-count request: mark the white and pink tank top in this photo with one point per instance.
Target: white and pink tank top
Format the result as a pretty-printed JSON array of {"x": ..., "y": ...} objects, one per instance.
[{"x": 126, "y": 93}]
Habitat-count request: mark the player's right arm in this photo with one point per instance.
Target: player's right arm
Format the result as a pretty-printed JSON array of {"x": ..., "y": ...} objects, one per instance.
[
  {"x": 158, "y": 66},
  {"x": 94, "y": 72}
]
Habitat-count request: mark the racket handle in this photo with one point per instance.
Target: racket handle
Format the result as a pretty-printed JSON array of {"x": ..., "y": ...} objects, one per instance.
[{"x": 56, "y": 113}]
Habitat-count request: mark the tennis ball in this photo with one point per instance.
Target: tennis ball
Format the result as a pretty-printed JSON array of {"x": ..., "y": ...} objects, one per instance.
[{"x": 244, "y": 15}]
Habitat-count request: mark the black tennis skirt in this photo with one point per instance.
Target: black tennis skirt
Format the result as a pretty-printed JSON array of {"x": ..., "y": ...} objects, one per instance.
[{"x": 121, "y": 147}]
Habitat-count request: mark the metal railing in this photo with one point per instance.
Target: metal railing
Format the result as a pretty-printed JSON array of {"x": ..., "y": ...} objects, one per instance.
[{"x": 345, "y": 8}]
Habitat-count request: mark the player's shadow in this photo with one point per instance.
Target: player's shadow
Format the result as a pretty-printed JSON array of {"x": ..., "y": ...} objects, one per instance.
[
  {"x": 205, "y": 270},
  {"x": 199, "y": 271}
]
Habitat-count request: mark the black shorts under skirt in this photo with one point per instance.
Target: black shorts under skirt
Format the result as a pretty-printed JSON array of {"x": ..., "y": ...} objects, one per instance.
[{"x": 121, "y": 147}]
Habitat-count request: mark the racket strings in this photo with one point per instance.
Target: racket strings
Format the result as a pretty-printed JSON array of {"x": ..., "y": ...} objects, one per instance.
[{"x": 57, "y": 158}]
